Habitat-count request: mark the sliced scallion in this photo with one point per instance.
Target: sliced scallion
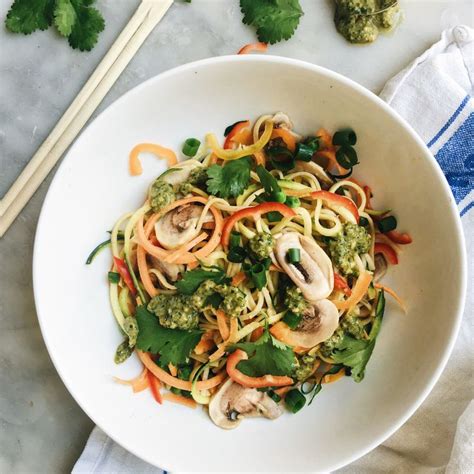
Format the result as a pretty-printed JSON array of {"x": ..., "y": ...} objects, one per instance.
[
  {"x": 387, "y": 224},
  {"x": 114, "y": 277},
  {"x": 234, "y": 239},
  {"x": 303, "y": 152},
  {"x": 295, "y": 400},
  {"x": 274, "y": 216},
  {"x": 344, "y": 137},
  {"x": 346, "y": 156},
  {"x": 292, "y": 201},
  {"x": 191, "y": 146},
  {"x": 294, "y": 255}
]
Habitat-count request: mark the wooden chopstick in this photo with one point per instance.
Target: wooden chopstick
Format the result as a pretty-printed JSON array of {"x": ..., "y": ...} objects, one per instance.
[{"x": 147, "y": 15}]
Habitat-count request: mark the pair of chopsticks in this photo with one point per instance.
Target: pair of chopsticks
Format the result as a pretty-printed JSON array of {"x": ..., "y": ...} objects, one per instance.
[{"x": 146, "y": 17}]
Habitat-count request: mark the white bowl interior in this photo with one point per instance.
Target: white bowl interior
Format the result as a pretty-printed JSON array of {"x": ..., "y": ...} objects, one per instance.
[{"x": 93, "y": 188}]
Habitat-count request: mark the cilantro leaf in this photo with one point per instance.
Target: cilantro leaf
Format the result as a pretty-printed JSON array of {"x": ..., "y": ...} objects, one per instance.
[
  {"x": 192, "y": 279},
  {"x": 64, "y": 17},
  {"x": 275, "y": 20},
  {"x": 26, "y": 16},
  {"x": 229, "y": 180},
  {"x": 355, "y": 353},
  {"x": 266, "y": 356},
  {"x": 173, "y": 345},
  {"x": 89, "y": 23}
]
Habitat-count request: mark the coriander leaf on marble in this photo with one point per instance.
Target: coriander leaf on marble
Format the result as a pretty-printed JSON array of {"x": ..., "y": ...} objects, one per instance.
[{"x": 26, "y": 16}]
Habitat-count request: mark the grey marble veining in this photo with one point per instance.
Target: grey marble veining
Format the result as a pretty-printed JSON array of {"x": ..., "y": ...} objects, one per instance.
[{"x": 41, "y": 428}]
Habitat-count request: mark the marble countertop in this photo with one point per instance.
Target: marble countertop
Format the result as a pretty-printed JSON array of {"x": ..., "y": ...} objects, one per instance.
[{"x": 41, "y": 427}]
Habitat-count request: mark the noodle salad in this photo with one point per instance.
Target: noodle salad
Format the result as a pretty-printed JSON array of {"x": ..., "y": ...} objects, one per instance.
[{"x": 250, "y": 277}]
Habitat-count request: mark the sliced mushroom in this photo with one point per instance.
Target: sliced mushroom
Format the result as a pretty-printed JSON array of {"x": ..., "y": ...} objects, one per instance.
[
  {"x": 178, "y": 226},
  {"x": 232, "y": 403},
  {"x": 318, "y": 324},
  {"x": 282, "y": 120},
  {"x": 180, "y": 173},
  {"x": 380, "y": 266},
  {"x": 314, "y": 169},
  {"x": 171, "y": 270},
  {"x": 314, "y": 273}
]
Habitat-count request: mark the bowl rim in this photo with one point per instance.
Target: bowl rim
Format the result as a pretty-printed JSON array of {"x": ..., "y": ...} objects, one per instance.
[{"x": 368, "y": 95}]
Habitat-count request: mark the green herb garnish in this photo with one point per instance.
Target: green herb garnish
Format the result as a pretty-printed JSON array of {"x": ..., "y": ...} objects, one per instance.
[{"x": 229, "y": 180}]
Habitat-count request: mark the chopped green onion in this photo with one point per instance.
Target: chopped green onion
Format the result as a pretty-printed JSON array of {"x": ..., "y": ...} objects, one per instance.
[
  {"x": 274, "y": 396},
  {"x": 279, "y": 196},
  {"x": 295, "y": 400},
  {"x": 93, "y": 254},
  {"x": 387, "y": 224},
  {"x": 268, "y": 181},
  {"x": 303, "y": 152},
  {"x": 294, "y": 255},
  {"x": 292, "y": 320},
  {"x": 114, "y": 277},
  {"x": 274, "y": 216},
  {"x": 292, "y": 201},
  {"x": 346, "y": 156},
  {"x": 236, "y": 255},
  {"x": 363, "y": 221},
  {"x": 175, "y": 390},
  {"x": 257, "y": 273},
  {"x": 281, "y": 158},
  {"x": 234, "y": 239},
  {"x": 191, "y": 146},
  {"x": 312, "y": 142},
  {"x": 307, "y": 387},
  {"x": 344, "y": 137}
]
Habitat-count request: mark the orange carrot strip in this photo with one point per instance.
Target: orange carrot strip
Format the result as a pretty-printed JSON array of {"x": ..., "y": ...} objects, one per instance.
[
  {"x": 275, "y": 268},
  {"x": 238, "y": 278},
  {"x": 331, "y": 156},
  {"x": 259, "y": 158},
  {"x": 234, "y": 327},
  {"x": 187, "y": 402},
  {"x": 193, "y": 265},
  {"x": 286, "y": 136},
  {"x": 173, "y": 370},
  {"x": 283, "y": 390},
  {"x": 394, "y": 295},
  {"x": 206, "y": 343},
  {"x": 325, "y": 138},
  {"x": 135, "y": 167},
  {"x": 168, "y": 379},
  {"x": 256, "y": 334},
  {"x": 330, "y": 378},
  {"x": 143, "y": 271},
  {"x": 358, "y": 292},
  {"x": 244, "y": 137},
  {"x": 175, "y": 254},
  {"x": 222, "y": 324},
  {"x": 138, "y": 384},
  {"x": 213, "y": 159},
  {"x": 259, "y": 47}
]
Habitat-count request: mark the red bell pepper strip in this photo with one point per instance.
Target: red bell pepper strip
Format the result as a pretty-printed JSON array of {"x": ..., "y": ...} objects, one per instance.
[
  {"x": 252, "y": 382},
  {"x": 368, "y": 197},
  {"x": 341, "y": 284},
  {"x": 399, "y": 238},
  {"x": 125, "y": 274},
  {"x": 387, "y": 252},
  {"x": 260, "y": 47},
  {"x": 155, "y": 386},
  {"x": 235, "y": 130},
  {"x": 255, "y": 211},
  {"x": 340, "y": 204}
]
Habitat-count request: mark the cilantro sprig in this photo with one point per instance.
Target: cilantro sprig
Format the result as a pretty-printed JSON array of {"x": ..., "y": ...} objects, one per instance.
[
  {"x": 75, "y": 19},
  {"x": 192, "y": 279},
  {"x": 275, "y": 20},
  {"x": 173, "y": 345},
  {"x": 229, "y": 180}
]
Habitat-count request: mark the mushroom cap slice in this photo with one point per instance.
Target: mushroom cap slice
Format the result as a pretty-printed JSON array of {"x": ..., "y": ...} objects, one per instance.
[
  {"x": 314, "y": 169},
  {"x": 171, "y": 270},
  {"x": 180, "y": 173},
  {"x": 281, "y": 120},
  {"x": 179, "y": 225},
  {"x": 380, "y": 266},
  {"x": 318, "y": 324},
  {"x": 314, "y": 273},
  {"x": 232, "y": 403}
]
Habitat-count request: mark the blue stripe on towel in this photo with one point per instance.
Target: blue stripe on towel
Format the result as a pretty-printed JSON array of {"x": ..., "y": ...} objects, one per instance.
[
  {"x": 450, "y": 121},
  {"x": 456, "y": 159}
]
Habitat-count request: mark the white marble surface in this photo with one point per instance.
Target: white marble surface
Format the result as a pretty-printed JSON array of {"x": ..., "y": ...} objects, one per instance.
[{"x": 41, "y": 428}]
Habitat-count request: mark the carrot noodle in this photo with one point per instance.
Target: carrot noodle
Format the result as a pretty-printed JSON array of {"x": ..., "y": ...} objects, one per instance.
[
  {"x": 179, "y": 399},
  {"x": 135, "y": 166},
  {"x": 394, "y": 295},
  {"x": 270, "y": 203},
  {"x": 258, "y": 47}
]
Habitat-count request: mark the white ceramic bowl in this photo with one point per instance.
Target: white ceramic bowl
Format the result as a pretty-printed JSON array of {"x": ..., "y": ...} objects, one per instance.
[{"x": 93, "y": 188}]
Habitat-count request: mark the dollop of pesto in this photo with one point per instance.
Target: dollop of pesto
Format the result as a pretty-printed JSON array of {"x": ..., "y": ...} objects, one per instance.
[
  {"x": 234, "y": 300},
  {"x": 197, "y": 178},
  {"x": 359, "y": 21},
  {"x": 174, "y": 311},
  {"x": 262, "y": 245},
  {"x": 199, "y": 298},
  {"x": 353, "y": 325},
  {"x": 353, "y": 240},
  {"x": 123, "y": 352},
  {"x": 161, "y": 195},
  {"x": 130, "y": 327},
  {"x": 304, "y": 367},
  {"x": 295, "y": 301},
  {"x": 334, "y": 341}
]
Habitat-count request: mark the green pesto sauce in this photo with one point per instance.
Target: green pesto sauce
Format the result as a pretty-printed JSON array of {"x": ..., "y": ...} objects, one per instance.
[
  {"x": 352, "y": 241},
  {"x": 359, "y": 22},
  {"x": 261, "y": 245},
  {"x": 353, "y": 325},
  {"x": 295, "y": 301},
  {"x": 197, "y": 178},
  {"x": 161, "y": 195},
  {"x": 304, "y": 367},
  {"x": 123, "y": 352},
  {"x": 330, "y": 344}
]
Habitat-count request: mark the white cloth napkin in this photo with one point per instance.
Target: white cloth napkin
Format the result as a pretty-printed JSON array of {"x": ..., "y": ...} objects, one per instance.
[{"x": 434, "y": 95}]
